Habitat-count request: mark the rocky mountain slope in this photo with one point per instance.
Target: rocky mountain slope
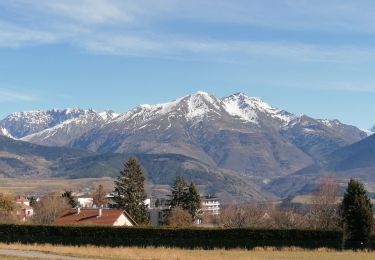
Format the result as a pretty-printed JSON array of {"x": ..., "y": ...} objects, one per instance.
[
  {"x": 20, "y": 159},
  {"x": 353, "y": 161}
]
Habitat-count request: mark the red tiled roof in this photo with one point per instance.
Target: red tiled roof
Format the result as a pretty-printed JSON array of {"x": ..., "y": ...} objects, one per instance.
[
  {"x": 90, "y": 216},
  {"x": 24, "y": 206},
  {"x": 21, "y": 199}
]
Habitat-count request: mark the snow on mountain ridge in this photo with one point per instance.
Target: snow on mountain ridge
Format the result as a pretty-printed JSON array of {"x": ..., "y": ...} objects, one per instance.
[
  {"x": 199, "y": 105},
  {"x": 247, "y": 107},
  {"x": 22, "y": 124},
  {"x": 369, "y": 132},
  {"x": 4, "y": 131},
  {"x": 192, "y": 107}
]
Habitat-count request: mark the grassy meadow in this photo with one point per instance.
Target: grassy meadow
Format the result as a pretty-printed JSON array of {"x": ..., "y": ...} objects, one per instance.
[{"x": 173, "y": 253}]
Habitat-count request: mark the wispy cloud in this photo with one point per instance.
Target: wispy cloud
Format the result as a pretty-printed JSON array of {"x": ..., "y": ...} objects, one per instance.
[
  {"x": 225, "y": 50},
  {"x": 137, "y": 28},
  {"x": 7, "y": 95}
]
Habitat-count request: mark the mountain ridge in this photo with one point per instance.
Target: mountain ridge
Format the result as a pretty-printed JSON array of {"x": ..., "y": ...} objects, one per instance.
[{"x": 241, "y": 138}]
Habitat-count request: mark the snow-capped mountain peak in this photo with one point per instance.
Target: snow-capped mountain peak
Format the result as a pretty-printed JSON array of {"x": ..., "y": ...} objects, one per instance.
[
  {"x": 200, "y": 104},
  {"x": 108, "y": 115},
  {"x": 247, "y": 108}
]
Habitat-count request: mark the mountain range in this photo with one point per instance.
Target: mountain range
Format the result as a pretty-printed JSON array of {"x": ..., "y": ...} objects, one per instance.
[{"x": 237, "y": 146}]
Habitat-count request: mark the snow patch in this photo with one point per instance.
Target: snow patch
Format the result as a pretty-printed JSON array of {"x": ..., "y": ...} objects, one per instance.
[
  {"x": 5, "y": 132},
  {"x": 367, "y": 132}
]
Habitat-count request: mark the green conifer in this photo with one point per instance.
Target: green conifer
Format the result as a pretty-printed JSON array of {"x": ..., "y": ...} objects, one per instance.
[
  {"x": 356, "y": 214},
  {"x": 129, "y": 191}
]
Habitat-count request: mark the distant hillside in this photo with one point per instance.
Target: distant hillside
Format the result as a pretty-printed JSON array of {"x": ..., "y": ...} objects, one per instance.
[
  {"x": 20, "y": 159},
  {"x": 352, "y": 161}
]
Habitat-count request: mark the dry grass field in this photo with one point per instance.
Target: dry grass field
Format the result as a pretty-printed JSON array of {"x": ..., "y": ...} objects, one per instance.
[
  {"x": 42, "y": 186},
  {"x": 173, "y": 253}
]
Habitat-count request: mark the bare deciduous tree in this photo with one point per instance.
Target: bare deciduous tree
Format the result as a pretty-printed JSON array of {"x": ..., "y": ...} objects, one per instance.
[
  {"x": 283, "y": 218},
  {"x": 7, "y": 208},
  {"x": 324, "y": 212},
  {"x": 238, "y": 216},
  {"x": 49, "y": 207},
  {"x": 99, "y": 196}
]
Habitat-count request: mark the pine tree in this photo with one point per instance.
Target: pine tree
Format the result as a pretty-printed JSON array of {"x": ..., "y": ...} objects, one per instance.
[
  {"x": 68, "y": 195},
  {"x": 129, "y": 191},
  {"x": 192, "y": 201},
  {"x": 184, "y": 197},
  {"x": 356, "y": 214},
  {"x": 178, "y": 193}
]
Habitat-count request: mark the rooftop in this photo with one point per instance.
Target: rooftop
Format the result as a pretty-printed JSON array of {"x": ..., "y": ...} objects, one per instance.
[{"x": 91, "y": 216}]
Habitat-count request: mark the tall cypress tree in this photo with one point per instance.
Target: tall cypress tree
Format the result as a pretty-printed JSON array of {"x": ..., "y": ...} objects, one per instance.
[
  {"x": 356, "y": 214},
  {"x": 129, "y": 191}
]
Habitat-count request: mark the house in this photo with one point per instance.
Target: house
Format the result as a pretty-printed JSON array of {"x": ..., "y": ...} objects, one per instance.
[
  {"x": 22, "y": 200},
  {"x": 24, "y": 212},
  {"x": 95, "y": 216},
  {"x": 23, "y": 209}
]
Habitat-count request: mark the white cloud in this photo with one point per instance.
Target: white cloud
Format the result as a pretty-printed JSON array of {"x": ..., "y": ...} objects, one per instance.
[
  {"x": 7, "y": 95},
  {"x": 15, "y": 36},
  {"x": 135, "y": 28}
]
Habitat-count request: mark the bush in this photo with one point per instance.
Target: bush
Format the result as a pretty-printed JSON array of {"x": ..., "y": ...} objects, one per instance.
[
  {"x": 169, "y": 237},
  {"x": 178, "y": 217}
]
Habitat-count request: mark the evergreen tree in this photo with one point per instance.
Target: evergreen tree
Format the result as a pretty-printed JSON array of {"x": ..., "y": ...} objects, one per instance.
[
  {"x": 129, "y": 191},
  {"x": 68, "y": 195},
  {"x": 192, "y": 201},
  {"x": 356, "y": 214},
  {"x": 184, "y": 197},
  {"x": 178, "y": 193}
]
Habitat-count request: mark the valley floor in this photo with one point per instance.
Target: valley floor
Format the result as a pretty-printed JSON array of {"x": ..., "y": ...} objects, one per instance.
[{"x": 92, "y": 252}]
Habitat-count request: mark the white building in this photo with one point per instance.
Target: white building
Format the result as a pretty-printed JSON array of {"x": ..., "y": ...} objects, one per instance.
[
  {"x": 85, "y": 201},
  {"x": 210, "y": 205},
  {"x": 157, "y": 210}
]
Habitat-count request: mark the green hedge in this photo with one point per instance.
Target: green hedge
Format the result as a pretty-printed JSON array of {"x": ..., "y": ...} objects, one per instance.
[{"x": 169, "y": 237}]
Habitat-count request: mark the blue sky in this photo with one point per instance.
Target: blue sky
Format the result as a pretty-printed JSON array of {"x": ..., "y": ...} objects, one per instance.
[{"x": 311, "y": 57}]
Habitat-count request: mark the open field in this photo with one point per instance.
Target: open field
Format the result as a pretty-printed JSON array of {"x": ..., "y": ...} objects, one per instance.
[
  {"x": 41, "y": 186},
  {"x": 19, "y": 186},
  {"x": 307, "y": 199},
  {"x": 173, "y": 253}
]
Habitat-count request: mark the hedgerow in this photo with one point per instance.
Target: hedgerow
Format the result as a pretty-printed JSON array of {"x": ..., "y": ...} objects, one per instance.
[{"x": 206, "y": 238}]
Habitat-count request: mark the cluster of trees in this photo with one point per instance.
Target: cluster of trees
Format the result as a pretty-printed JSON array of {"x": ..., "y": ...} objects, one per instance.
[
  {"x": 354, "y": 214},
  {"x": 184, "y": 200},
  {"x": 322, "y": 213}
]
